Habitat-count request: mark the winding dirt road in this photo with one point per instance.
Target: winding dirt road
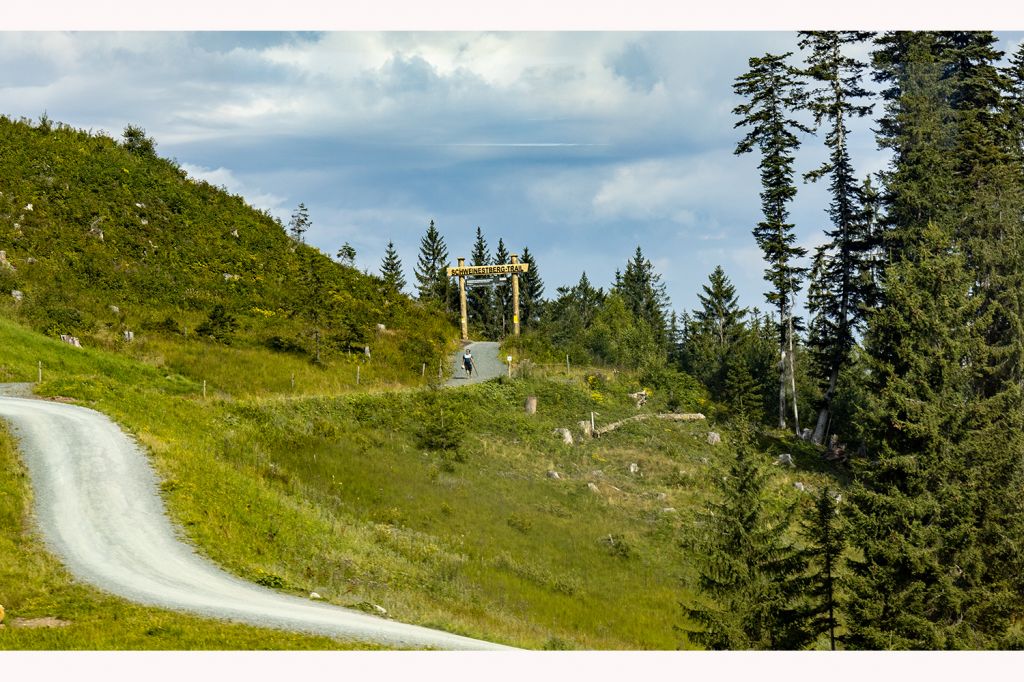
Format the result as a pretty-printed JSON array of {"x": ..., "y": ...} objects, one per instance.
[{"x": 98, "y": 509}]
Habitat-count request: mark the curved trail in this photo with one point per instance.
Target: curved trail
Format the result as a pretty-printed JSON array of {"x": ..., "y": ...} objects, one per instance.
[{"x": 99, "y": 511}]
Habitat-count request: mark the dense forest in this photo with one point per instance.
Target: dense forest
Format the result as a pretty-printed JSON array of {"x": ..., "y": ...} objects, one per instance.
[{"x": 907, "y": 371}]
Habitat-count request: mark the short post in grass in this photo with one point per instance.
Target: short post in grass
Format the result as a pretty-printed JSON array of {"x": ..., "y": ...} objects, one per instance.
[
  {"x": 423, "y": 371},
  {"x": 357, "y": 375},
  {"x": 293, "y": 381},
  {"x": 204, "y": 388},
  {"x": 566, "y": 363},
  {"x": 40, "y": 371},
  {"x": 509, "y": 359},
  {"x": 591, "y": 422}
]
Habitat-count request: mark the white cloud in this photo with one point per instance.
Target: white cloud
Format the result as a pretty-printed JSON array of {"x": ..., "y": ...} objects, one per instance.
[{"x": 223, "y": 177}]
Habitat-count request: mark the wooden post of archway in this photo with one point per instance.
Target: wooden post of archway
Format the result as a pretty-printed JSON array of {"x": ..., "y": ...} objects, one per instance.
[
  {"x": 463, "y": 271},
  {"x": 464, "y": 319},
  {"x": 515, "y": 295}
]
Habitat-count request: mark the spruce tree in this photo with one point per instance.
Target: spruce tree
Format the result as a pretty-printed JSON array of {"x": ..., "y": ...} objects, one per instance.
[
  {"x": 715, "y": 330},
  {"x": 432, "y": 283},
  {"x": 391, "y": 269},
  {"x": 773, "y": 92},
  {"x": 916, "y": 581},
  {"x": 644, "y": 294},
  {"x": 823, "y": 532},
  {"x": 531, "y": 291},
  {"x": 480, "y": 299},
  {"x": 750, "y": 575},
  {"x": 502, "y": 292},
  {"x": 837, "y": 294}
]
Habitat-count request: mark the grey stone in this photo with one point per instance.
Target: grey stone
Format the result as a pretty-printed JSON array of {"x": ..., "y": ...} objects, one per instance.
[
  {"x": 593, "y": 488},
  {"x": 785, "y": 459},
  {"x": 714, "y": 438},
  {"x": 554, "y": 475},
  {"x": 634, "y": 468},
  {"x": 565, "y": 434},
  {"x": 17, "y": 295}
]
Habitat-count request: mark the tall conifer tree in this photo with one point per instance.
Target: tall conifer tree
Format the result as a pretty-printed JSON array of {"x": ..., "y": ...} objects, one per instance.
[
  {"x": 503, "y": 292},
  {"x": 391, "y": 269},
  {"x": 432, "y": 282},
  {"x": 837, "y": 294},
  {"x": 480, "y": 299},
  {"x": 531, "y": 291},
  {"x": 749, "y": 572},
  {"x": 773, "y": 92}
]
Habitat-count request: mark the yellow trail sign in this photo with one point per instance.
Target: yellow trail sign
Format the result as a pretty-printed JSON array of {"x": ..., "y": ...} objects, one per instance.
[{"x": 477, "y": 270}]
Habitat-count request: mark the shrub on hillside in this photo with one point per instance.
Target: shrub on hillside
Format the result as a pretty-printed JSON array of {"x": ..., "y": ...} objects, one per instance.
[{"x": 219, "y": 325}]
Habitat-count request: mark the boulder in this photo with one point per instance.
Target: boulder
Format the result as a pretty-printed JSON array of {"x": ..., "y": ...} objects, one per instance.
[
  {"x": 17, "y": 295},
  {"x": 714, "y": 438},
  {"x": 71, "y": 340},
  {"x": 554, "y": 475},
  {"x": 593, "y": 488},
  {"x": 565, "y": 434},
  {"x": 4, "y": 263},
  {"x": 114, "y": 309},
  {"x": 531, "y": 404},
  {"x": 785, "y": 459},
  {"x": 634, "y": 468},
  {"x": 314, "y": 595},
  {"x": 128, "y": 336},
  {"x": 800, "y": 486}
]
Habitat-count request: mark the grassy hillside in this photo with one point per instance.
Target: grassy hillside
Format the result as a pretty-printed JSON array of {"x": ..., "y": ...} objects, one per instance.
[
  {"x": 35, "y": 588},
  {"x": 351, "y": 476},
  {"x": 359, "y": 497},
  {"x": 102, "y": 238}
]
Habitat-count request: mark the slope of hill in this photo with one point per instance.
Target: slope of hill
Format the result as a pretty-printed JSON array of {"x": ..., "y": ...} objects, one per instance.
[{"x": 102, "y": 238}]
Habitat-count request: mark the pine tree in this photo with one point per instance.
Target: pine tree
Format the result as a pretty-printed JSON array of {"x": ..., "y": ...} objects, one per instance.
[
  {"x": 480, "y": 299},
  {"x": 922, "y": 580},
  {"x": 502, "y": 293},
  {"x": 836, "y": 298},
  {"x": 715, "y": 330},
  {"x": 299, "y": 223},
  {"x": 573, "y": 311},
  {"x": 773, "y": 92},
  {"x": 823, "y": 532},
  {"x": 391, "y": 269},
  {"x": 432, "y": 283},
  {"x": 644, "y": 294},
  {"x": 750, "y": 574},
  {"x": 531, "y": 291}
]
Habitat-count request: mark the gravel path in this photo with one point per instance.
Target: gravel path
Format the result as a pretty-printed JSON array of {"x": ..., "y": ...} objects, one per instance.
[
  {"x": 97, "y": 506},
  {"x": 485, "y": 357}
]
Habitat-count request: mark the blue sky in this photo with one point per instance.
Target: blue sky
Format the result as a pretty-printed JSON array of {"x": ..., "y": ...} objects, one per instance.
[{"x": 580, "y": 145}]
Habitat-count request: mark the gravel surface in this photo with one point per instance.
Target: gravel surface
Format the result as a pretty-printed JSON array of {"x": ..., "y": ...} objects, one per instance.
[
  {"x": 97, "y": 506},
  {"x": 485, "y": 357}
]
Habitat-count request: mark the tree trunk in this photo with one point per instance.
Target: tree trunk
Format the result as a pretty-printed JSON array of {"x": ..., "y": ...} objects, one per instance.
[{"x": 782, "y": 390}]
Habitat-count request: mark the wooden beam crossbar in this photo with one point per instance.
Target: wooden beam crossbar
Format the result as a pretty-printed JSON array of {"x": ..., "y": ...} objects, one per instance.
[{"x": 492, "y": 273}]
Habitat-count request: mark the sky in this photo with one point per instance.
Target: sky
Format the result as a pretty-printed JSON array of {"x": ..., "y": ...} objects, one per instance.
[{"x": 580, "y": 145}]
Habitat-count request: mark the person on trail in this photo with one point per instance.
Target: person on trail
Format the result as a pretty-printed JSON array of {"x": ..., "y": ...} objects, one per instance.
[{"x": 467, "y": 362}]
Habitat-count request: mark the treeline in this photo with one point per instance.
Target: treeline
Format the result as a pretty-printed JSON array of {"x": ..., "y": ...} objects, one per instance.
[
  {"x": 915, "y": 341},
  {"x": 489, "y": 307}
]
